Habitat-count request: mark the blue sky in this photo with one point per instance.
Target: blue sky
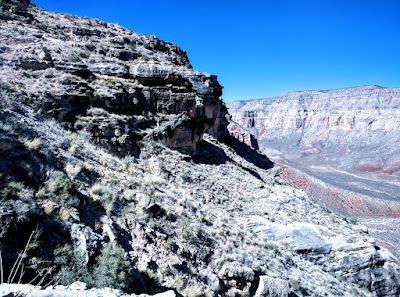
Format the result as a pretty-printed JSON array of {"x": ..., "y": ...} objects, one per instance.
[{"x": 265, "y": 48}]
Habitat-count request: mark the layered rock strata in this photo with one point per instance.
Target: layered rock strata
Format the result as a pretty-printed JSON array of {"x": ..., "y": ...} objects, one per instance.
[
  {"x": 91, "y": 193},
  {"x": 344, "y": 138},
  {"x": 67, "y": 65}
]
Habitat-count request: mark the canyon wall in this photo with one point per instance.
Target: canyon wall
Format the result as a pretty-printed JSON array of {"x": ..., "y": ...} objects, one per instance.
[
  {"x": 346, "y": 138},
  {"x": 96, "y": 184}
]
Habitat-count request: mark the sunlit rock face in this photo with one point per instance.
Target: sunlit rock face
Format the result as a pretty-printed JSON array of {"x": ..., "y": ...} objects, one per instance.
[
  {"x": 92, "y": 197},
  {"x": 343, "y": 140},
  {"x": 67, "y": 65}
]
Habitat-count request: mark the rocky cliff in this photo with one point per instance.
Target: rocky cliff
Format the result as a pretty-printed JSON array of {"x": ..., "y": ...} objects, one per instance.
[
  {"x": 97, "y": 186},
  {"x": 66, "y": 66}
]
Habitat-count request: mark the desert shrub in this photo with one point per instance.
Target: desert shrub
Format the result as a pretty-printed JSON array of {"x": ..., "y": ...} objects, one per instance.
[
  {"x": 73, "y": 58},
  {"x": 60, "y": 188},
  {"x": 84, "y": 54},
  {"x": 60, "y": 184},
  {"x": 186, "y": 231},
  {"x": 10, "y": 190},
  {"x": 60, "y": 34},
  {"x": 39, "y": 25},
  {"x": 112, "y": 269},
  {"x": 132, "y": 46},
  {"x": 193, "y": 291},
  {"x": 4, "y": 10},
  {"x": 352, "y": 220},
  {"x": 72, "y": 266},
  {"x": 126, "y": 162},
  {"x": 186, "y": 177}
]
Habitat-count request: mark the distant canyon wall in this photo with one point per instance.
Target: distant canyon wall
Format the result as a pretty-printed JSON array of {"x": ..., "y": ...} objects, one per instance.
[{"x": 347, "y": 138}]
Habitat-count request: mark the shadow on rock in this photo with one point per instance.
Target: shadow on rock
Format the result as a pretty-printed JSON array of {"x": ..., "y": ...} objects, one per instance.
[
  {"x": 207, "y": 153},
  {"x": 249, "y": 154}
]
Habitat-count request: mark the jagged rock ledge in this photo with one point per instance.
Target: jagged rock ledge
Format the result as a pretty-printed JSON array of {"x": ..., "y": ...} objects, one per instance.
[{"x": 70, "y": 65}]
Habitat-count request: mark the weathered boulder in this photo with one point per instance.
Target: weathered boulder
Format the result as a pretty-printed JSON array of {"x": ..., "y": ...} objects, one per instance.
[
  {"x": 272, "y": 287},
  {"x": 86, "y": 242},
  {"x": 110, "y": 69},
  {"x": 302, "y": 238}
]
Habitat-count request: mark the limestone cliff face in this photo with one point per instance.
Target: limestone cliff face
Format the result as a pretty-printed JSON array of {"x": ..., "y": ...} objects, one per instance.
[
  {"x": 325, "y": 114},
  {"x": 67, "y": 65},
  {"x": 344, "y": 137}
]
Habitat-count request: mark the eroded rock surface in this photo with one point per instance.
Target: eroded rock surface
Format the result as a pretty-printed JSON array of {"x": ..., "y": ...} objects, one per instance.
[
  {"x": 66, "y": 65},
  {"x": 344, "y": 138},
  {"x": 90, "y": 184}
]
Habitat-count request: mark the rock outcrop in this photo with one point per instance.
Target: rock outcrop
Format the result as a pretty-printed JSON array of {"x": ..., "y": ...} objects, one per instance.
[
  {"x": 91, "y": 190},
  {"x": 73, "y": 64}
]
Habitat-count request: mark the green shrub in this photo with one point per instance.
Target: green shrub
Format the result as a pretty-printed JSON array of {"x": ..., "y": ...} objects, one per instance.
[
  {"x": 83, "y": 54},
  {"x": 186, "y": 177},
  {"x": 73, "y": 58},
  {"x": 132, "y": 46},
  {"x": 60, "y": 188},
  {"x": 41, "y": 26},
  {"x": 4, "y": 10},
  {"x": 10, "y": 189},
  {"x": 61, "y": 185},
  {"x": 186, "y": 232},
  {"x": 112, "y": 269},
  {"x": 72, "y": 266}
]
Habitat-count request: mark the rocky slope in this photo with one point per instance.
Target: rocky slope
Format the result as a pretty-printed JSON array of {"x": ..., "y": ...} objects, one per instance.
[
  {"x": 66, "y": 65},
  {"x": 108, "y": 177},
  {"x": 343, "y": 138}
]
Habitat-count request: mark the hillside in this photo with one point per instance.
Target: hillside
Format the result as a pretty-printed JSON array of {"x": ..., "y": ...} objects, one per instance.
[{"x": 117, "y": 170}]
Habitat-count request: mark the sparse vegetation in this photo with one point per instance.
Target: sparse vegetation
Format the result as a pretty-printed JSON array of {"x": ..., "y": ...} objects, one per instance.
[
  {"x": 39, "y": 25},
  {"x": 211, "y": 224},
  {"x": 74, "y": 58},
  {"x": 72, "y": 265},
  {"x": 132, "y": 46},
  {"x": 186, "y": 232},
  {"x": 112, "y": 269},
  {"x": 10, "y": 189},
  {"x": 84, "y": 54},
  {"x": 4, "y": 10},
  {"x": 60, "y": 188}
]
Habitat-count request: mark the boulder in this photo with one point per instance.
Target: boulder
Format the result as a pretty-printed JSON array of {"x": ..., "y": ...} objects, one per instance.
[
  {"x": 85, "y": 240},
  {"x": 272, "y": 287}
]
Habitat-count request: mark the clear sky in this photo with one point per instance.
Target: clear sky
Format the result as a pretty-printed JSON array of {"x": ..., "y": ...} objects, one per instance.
[{"x": 265, "y": 48}]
